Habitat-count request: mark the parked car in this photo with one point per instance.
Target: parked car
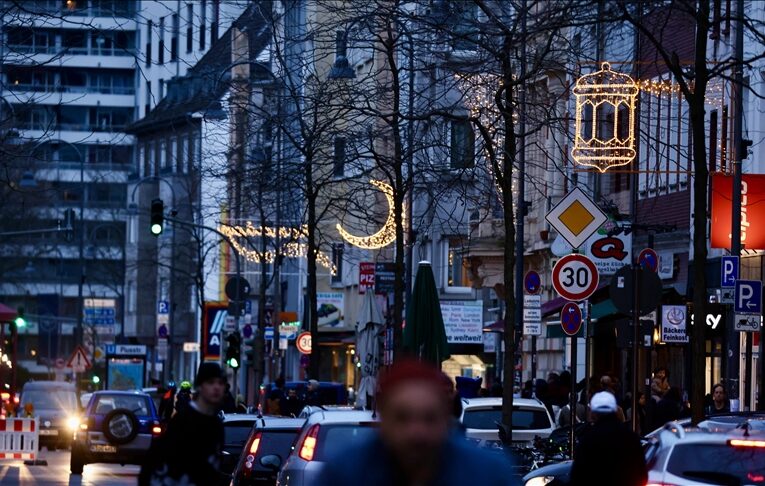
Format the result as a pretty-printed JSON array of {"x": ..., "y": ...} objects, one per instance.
[
  {"x": 657, "y": 448},
  {"x": 326, "y": 432},
  {"x": 56, "y": 406},
  {"x": 118, "y": 428},
  {"x": 330, "y": 393},
  {"x": 236, "y": 431},
  {"x": 481, "y": 418},
  {"x": 268, "y": 445}
]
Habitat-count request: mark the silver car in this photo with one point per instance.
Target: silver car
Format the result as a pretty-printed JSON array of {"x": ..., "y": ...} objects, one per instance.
[
  {"x": 481, "y": 418},
  {"x": 326, "y": 432}
]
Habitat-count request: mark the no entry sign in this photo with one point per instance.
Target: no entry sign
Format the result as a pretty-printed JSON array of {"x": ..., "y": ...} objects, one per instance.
[{"x": 575, "y": 277}]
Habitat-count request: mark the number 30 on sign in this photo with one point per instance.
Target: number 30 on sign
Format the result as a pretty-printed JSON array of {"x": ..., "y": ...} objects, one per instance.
[{"x": 575, "y": 277}]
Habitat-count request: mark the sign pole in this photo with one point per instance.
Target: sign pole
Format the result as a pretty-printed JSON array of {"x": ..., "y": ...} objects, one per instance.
[
  {"x": 636, "y": 279},
  {"x": 572, "y": 397}
]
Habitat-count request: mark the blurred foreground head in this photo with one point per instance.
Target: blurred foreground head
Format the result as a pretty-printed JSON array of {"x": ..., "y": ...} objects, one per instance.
[{"x": 414, "y": 400}]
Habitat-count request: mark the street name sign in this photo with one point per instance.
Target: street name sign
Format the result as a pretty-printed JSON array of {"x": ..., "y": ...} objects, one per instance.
[
  {"x": 748, "y": 297},
  {"x": 576, "y": 217},
  {"x": 575, "y": 277}
]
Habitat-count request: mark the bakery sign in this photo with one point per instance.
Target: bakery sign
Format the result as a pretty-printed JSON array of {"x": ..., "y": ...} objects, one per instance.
[{"x": 674, "y": 324}]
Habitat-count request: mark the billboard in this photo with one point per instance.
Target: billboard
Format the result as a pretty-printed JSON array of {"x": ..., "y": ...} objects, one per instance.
[
  {"x": 463, "y": 321},
  {"x": 608, "y": 253},
  {"x": 331, "y": 310},
  {"x": 366, "y": 277},
  {"x": 752, "y": 210},
  {"x": 213, "y": 320}
]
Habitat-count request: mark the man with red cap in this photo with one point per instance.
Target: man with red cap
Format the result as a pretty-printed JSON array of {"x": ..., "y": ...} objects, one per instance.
[{"x": 416, "y": 444}]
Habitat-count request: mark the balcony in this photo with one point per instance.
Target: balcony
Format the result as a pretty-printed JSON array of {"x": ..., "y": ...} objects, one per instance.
[
  {"x": 50, "y": 88},
  {"x": 72, "y": 51}
]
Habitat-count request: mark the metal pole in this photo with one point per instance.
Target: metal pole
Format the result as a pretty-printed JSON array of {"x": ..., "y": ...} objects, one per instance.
[
  {"x": 79, "y": 338},
  {"x": 520, "y": 208},
  {"x": 734, "y": 352},
  {"x": 572, "y": 398},
  {"x": 636, "y": 280}
]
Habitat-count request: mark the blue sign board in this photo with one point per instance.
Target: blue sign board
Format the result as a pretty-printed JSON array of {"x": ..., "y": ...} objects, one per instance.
[
  {"x": 215, "y": 314},
  {"x": 163, "y": 307},
  {"x": 728, "y": 271},
  {"x": 571, "y": 318},
  {"x": 748, "y": 298}
]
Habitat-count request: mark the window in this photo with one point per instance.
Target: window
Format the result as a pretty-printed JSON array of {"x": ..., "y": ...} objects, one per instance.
[
  {"x": 161, "y": 46},
  {"x": 215, "y": 20},
  {"x": 163, "y": 163},
  {"x": 455, "y": 269},
  {"x": 488, "y": 418},
  {"x": 337, "y": 261},
  {"x": 202, "y": 24},
  {"x": 339, "y": 166},
  {"x": 149, "y": 29},
  {"x": 147, "y": 107},
  {"x": 189, "y": 27},
  {"x": 462, "y": 145},
  {"x": 174, "y": 39}
]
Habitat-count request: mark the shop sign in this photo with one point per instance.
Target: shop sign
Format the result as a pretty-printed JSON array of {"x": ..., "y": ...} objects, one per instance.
[
  {"x": 673, "y": 324},
  {"x": 463, "y": 321},
  {"x": 366, "y": 277},
  {"x": 752, "y": 209}
]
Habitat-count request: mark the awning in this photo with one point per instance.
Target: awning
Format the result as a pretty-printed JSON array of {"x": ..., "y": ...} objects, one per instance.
[
  {"x": 7, "y": 314},
  {"x": 602, "y": 309}
]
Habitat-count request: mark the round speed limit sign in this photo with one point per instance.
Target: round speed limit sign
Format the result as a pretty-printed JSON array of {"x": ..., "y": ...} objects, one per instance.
[
  {"x": 575, "y": 277},
  {"x": 303, "y": 342}
]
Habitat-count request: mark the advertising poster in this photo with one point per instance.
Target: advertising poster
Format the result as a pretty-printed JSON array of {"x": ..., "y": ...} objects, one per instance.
[
  {"x": 463, "y": 321},
  {"x": 331, "y": 310},
  {"x": 213, "y": 320},
  {"x": 366, "y": 277},
  {"x": 673, "y": 324},
  {"x": 125, "y": 373}
]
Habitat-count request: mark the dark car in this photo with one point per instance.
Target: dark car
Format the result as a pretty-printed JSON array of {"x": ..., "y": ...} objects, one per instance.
[
  {"x": 329, "y": 393},
  {"x": 268, "y": 445},
  {"x": 236, "y": 431},
  {"x": 57, "y": 409},
  {"x": 118, "y": 428}
]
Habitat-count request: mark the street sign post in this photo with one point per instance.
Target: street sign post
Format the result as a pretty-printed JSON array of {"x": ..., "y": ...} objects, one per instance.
[
  {"x": 571, "y": 318},
  {"x": 622, "y": 290},
  {"x": 78, "y": 361},
  {"x": 532, "y": 282},
  {"x": 747, "y": 322},
  {"x": 649, "y": 259},
  {"x": 575, "y": 277},
  {"x": 576, "y": 217},
  {"x": 532, "y": 315},
  {"x": 748, "y": 297},
  {"x": 729, "y": 271}
]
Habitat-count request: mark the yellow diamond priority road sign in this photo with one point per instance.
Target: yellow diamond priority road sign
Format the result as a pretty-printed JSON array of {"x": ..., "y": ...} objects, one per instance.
[{"x": 576, "y": 217}]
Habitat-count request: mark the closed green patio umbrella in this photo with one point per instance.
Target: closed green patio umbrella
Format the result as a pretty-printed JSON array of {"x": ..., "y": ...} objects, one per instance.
[{"x": 424, "y": 334}]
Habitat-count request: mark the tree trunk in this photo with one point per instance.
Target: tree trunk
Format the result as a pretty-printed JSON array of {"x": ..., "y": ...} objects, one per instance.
[{"x": 313, "y": 318}]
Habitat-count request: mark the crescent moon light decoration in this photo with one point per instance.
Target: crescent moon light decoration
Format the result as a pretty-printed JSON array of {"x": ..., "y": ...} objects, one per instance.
[{"x": 385, "y": 235}]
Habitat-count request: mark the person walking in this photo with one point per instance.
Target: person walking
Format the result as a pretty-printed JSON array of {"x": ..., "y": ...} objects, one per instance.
[
  {"x": 166, "y": 404},
  {"x": 229, "y": 403},
  {"x": 416, "y": 444},
  {"x": 608, "y": 452},
  {"x": 312, "y": 394},
  {"x": 183, "y": 397},
  {"x": 276, "y": 397},
  {"x": 189, "y": 452}
]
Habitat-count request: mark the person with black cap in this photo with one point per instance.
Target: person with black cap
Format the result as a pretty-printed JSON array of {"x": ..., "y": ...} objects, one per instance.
[
  {"x": 188, "y": 453},
  {"x": 608, "y": 452}
]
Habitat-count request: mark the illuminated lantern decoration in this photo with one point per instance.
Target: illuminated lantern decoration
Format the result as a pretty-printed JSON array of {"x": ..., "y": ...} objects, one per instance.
[{"x": 605, "y": 119}]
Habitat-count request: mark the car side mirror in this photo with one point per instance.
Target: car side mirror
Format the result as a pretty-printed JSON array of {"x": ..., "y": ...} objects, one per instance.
[{"x": 271, "y": 461}]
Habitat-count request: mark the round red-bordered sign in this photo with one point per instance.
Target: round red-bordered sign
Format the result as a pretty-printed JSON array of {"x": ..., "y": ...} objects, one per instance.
[
  {"x": 575, "y": 277},
  {"x": 303, "y": 342},
  {"x": 571, "y": 318},
  {"x": 648, "y": 258}
]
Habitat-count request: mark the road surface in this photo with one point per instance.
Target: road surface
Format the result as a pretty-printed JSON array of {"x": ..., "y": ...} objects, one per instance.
[{"x": 56, "y": 473}]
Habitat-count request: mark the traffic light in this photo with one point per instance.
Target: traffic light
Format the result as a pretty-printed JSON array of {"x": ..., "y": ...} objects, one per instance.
[
  {"x": 96, "y": 379},
  {"x": 233, "y": 350},
  {"x": 20, "y": 321},
  {"x": 157, "y": 216}
]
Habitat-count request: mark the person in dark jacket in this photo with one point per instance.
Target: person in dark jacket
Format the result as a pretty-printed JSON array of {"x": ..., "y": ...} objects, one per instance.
[
  {"x": 183, "y": 397},
  {"x": 669, "y": 408},
  {"x": 166, "y": 404},
  {"x": 416, "y": 444},
  {"x": 189, "y": 451},
  {"x": 719, "y": 402},
  {"x": 229, "y": 403},
  {"x": 608, "y": 453}
]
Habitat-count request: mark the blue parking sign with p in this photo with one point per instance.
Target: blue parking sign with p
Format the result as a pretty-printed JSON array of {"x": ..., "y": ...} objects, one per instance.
[
  {"x": 163, "y": 307},
  {"x": 728, "y": 271},
  {"x": 748, "y": 299}
]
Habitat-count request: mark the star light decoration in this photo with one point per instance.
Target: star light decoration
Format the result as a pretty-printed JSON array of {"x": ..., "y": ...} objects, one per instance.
[
  {"x": 292, "y": 246},
  {"x": 385, "y": 235},
  {"x": 605, "y": 101}
]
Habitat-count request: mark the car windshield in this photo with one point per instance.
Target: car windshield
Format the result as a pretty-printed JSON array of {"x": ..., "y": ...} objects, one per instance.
[
  {"x": 235, "y": 433},
  {"x": 718, "y": 464},
  {"x": 489, "y": 418},
  {"x": 334, "y": 438},
  {"x": 137, "y": 404},
  {"x": 51, "y": 399}
]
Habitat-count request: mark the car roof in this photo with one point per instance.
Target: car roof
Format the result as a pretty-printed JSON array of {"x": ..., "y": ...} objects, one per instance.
[
  {"x": 494, "y": 401},
  {"x": 137, "y": 393},
  {"x": 336, "y": 416},
  {"x": 31, "y": 385},
  {"x": 674, "y": 432}
]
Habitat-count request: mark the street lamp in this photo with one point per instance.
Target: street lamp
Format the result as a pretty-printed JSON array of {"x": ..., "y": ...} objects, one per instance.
[{"x": 341, "y": 69}]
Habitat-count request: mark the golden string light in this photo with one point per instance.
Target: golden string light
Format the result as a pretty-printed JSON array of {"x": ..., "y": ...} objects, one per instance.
[
  {"x": 385, "y": 235},
  {"x": 604, "y": 99},
  {"x": 292, "y": 247}
]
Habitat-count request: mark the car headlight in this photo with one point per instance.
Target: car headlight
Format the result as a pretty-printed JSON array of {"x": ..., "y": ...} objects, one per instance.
[
  {"x": 73, "y": 423},
  {"x": 539, "y": 481}
]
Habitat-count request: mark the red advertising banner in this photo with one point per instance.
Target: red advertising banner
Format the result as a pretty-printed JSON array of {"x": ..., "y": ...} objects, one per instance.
[
  {"x": 366, "y": 277},
  {"x": 752, "y": 211}
]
